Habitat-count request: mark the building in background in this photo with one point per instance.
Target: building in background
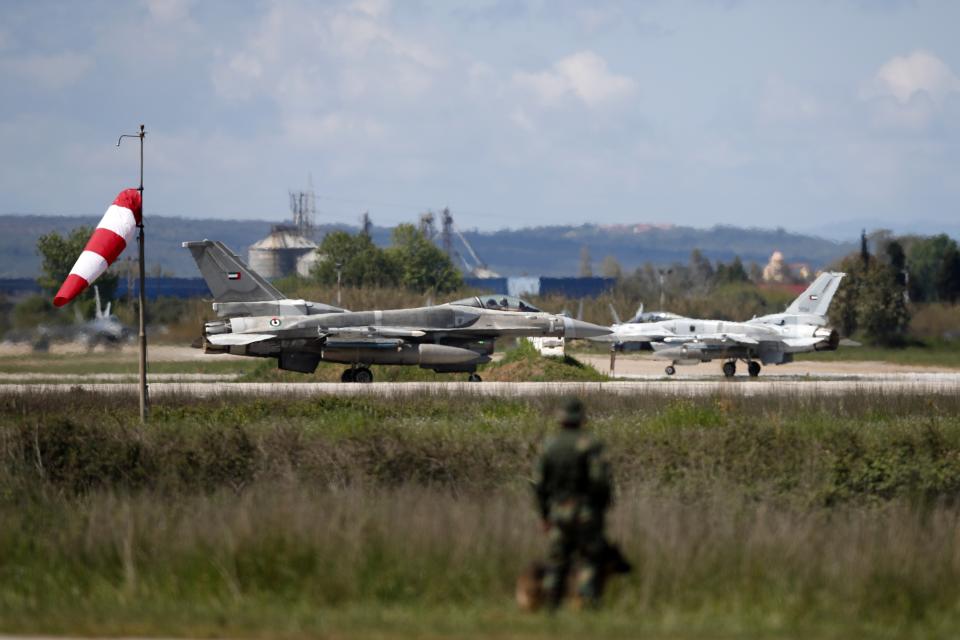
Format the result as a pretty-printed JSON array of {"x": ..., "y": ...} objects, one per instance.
[{"x": 290, "y": 248}]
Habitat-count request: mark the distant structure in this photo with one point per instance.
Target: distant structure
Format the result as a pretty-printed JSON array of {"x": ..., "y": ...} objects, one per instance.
[
  {"x": 290, "y": 248},
  {"x": 477, "y": 269},
  {"x": 778, "y": 271}
]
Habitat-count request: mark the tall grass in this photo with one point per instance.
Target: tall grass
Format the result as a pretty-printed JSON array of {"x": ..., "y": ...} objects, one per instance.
[{"x": 330, "y": 515}]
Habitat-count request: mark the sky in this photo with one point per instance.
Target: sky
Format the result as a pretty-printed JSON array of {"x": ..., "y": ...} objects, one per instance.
[{"x": 813, "y": 116}]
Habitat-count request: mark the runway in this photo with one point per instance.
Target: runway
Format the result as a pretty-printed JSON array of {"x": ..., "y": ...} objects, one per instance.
[{"x": 917, "y": 383}]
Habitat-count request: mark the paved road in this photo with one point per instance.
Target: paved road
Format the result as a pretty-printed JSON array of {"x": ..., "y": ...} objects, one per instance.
[{"x": 919, "y": 383}]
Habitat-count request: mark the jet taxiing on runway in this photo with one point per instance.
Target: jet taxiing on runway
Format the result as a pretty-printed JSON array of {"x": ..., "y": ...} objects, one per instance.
[
  {"x": 770, "y": 339},
  {"x": 258, "y": 320},
  {"x": 104, "y": 328}
]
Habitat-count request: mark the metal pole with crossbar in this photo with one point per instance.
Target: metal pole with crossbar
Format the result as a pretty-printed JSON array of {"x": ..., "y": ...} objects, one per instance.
[{"x": 142, "y": 297}]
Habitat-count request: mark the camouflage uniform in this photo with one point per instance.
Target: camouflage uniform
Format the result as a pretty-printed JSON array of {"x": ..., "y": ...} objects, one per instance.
[{"x": 573, "y": 489}]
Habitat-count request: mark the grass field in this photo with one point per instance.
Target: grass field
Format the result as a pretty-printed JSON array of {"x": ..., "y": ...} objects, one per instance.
[
  {"x": 776, "y": 517},
  {"x": 933, "y": 353}
]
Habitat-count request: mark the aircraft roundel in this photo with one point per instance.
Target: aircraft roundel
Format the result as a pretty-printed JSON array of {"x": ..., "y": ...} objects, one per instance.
[{"x": 274, "y": 322}]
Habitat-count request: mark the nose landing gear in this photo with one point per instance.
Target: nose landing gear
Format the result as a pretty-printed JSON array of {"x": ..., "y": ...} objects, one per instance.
[{"x": 670, "y": 370}]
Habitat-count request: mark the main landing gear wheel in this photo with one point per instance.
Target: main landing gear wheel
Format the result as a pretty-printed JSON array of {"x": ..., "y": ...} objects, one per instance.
[
  {"x": 362, "y": 375},
  {"x": 753, "y": 368},
  {"x": 670, "y": 370},
  {"x": 474, "y": 377},
  {"x": 729, "y": 369},
  {"x": 347, "y": 376}
]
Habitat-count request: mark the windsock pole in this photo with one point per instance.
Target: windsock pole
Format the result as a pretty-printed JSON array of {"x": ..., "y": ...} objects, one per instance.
[{"x": 142, "y": 297}]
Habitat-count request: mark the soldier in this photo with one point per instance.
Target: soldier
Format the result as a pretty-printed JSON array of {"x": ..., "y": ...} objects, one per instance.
[{"x": 573, "y": 489}]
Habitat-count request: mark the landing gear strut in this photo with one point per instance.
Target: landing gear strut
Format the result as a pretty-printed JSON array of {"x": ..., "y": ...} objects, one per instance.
[{"x": 730, "y": 369}]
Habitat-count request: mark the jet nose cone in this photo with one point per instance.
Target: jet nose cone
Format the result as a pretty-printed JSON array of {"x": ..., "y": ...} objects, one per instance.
[{"x": 573, "y": 329}]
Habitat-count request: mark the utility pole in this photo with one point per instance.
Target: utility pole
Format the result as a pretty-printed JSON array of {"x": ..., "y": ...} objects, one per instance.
[
  {"x": 663, "y": 273},
  {"x": 142, "y": 297},
  {"x": 339, "y": 267}
]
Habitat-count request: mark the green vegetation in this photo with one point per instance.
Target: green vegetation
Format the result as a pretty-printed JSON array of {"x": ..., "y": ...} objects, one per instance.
[
  {"x": 413, "y": 262},
  {"x": 930, "y": 353},
  {"x": 796, "y": 516},
  {"x": 115, "y": 362},
  {"x": 58, "y": 254}
]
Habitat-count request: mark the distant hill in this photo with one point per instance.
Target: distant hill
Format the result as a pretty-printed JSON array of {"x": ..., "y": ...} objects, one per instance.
[{"x": 548, "y": 251}]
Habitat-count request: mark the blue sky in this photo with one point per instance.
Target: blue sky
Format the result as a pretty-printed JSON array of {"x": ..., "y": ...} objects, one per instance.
[{"x": 806, "y": 115}]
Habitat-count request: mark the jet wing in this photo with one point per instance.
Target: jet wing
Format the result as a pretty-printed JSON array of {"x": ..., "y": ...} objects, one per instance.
[
  {"x": 714, "y": 339},
  {"x": 626, "y": 336},
  {"x": 374, "y": 332}
]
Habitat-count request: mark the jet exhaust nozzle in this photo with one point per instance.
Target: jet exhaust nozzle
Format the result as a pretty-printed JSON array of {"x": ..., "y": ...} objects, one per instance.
[
  {"x": 216, "y": 327},
  {"x": 831, "y": 339}
]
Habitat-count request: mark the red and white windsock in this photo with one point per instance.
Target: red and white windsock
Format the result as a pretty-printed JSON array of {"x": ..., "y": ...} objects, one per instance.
[{"x": 109, "y": 239}]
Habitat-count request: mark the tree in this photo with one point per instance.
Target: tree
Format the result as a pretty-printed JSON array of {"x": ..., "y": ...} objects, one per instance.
[
  {"x": 898, "y": 261},
  {"x": 701, "y": 271},
  {"x": 423, "y": 265},
  {"x": 586, "y": 264},
  {"x": 362, "y": 263},
  {"x": 882, "y": 313},
  {"x": 58, "y": 255},
  {"x": 924, "y": 263},
  {"x": 870, "y": 300},
  {"x": 734, "y": 272},
  {"x": 843, "y": 310},
  {"x": 948, "y": 276},
  {"x": 610, "y": 268}
]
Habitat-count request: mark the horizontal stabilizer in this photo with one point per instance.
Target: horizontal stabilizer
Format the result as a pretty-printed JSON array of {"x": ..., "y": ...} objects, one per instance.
[
  {"x": 237, "y": 339},
  {"x": 802, "y": 342}
]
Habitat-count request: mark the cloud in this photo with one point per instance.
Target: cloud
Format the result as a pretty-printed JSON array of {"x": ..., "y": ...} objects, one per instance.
[
  {"x": 49, "y": 71},
  {"x": 903, "y": 77},
  {"x": 783, "y": 103},
  {"x": 303, "y": 58},
  {"x": 169, "y": 11},
  {"x": 583, "y": 75},
  {"x": 911, "y": 91}
]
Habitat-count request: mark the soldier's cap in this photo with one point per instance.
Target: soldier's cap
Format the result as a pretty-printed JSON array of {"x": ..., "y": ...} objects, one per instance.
[{"x": 573, "y": 412}]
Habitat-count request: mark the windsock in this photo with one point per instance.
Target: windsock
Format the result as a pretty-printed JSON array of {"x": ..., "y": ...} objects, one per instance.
[{"x": 109, "y": 239}]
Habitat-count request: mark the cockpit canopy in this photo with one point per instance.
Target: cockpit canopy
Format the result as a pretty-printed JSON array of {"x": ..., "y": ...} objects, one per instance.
[
  {"x": 497, "y": 303},
  {"x": 652, "y": 316}
]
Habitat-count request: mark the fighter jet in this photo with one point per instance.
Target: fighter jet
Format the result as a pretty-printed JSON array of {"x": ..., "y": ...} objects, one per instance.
[
  {"x": 104, "y": 328},
  {"x": 770, "y": 339},
  {"x": 258, "y": 320}
]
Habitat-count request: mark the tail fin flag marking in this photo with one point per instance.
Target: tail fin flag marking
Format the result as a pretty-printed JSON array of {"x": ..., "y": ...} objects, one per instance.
[{"x": 816, "y": 299}]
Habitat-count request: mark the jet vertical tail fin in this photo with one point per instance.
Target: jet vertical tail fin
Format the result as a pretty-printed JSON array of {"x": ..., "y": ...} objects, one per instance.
[
  {"x": 228, "y": 277},
  {"x": 818, "y": 296}
]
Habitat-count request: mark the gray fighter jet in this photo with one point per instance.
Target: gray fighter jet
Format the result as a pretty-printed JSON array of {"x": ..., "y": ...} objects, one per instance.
[
  {"x": 770, "y": 339},
  {"x": 103, "y": 329},
  {"x": 258, "y": 320}
]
